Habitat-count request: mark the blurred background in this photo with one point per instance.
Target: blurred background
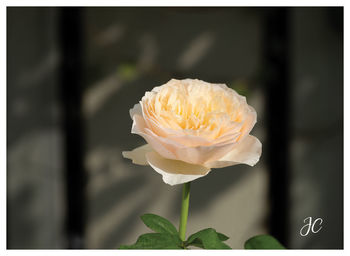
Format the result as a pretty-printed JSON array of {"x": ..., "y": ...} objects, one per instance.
[{"x": 74, "y": 73}]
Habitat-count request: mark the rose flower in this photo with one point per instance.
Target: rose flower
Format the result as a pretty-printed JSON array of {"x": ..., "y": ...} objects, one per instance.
[{"x": 191, "y": 126}]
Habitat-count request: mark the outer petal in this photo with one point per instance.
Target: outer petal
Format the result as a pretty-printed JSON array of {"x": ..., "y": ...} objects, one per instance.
[
  {"x": 247, "y": 152},
  {"x": 138, "y": 155},
  {"x": 203, "y": 154},
  {"x": 173, "y": 171},
  {"x": 139, "y": 127},
  {"x": 136, "y": 110},
  {"x": 249, "y": 122},
  {"x": 194, "y": 155}
]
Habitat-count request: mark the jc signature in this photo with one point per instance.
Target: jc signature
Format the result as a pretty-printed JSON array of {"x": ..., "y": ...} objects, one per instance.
[{"x": 313, "y": 226}]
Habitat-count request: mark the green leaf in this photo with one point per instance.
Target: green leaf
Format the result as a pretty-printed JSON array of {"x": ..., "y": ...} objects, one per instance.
[
  {"x": 208, "y": 239},
  {"x": 155, "y": 241},
  {"x": 263, "y": 242},
  {"x": 159, "y": 224},
  {"x": 222, "y": 237},
  {"x": 197, "y": 243}
]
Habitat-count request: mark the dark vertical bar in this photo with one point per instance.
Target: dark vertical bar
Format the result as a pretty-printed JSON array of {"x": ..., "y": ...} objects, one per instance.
[
  {"x": 276, "y": 71},
  {"x": 71, "y": 88}
]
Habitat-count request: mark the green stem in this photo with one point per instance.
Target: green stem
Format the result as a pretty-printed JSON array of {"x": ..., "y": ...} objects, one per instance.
[{"x": 184, "y": 210}]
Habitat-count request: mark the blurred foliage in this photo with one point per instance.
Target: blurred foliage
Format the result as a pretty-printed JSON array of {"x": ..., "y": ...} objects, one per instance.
[
  {"x": 127, "y": 71},
  {"x": 240, "y": 86}
]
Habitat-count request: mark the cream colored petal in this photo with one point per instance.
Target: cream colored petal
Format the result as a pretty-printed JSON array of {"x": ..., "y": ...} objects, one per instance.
[
  {"x": 188, "y": 140},
  {"x": 139, "y": 127},
  {"x": 136, "y": 110},
  {"x": 249, "y": 123},
  {"x": 183, "y": 139},
  {"x": 246, "y": 152},
  {"x": 203, "y": 154},
  {"x": 175, "y": 172},
  {"x": 138, "y": 155},
  {"x": 172, "y": 150},
  {"x": 193, "y": 155}
]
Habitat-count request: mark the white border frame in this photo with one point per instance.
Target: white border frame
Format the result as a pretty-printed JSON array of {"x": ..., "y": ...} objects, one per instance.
[{"x": 7, "y": 3}]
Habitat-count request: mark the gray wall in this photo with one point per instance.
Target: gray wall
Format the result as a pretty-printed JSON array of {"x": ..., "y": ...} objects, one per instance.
[
  {"x": 317, "y": 113},
  {"x": 35, "y": 188}
]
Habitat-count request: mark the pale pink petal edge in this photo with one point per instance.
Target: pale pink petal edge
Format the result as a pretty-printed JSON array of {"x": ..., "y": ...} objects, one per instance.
[{"x": 246, "y": 152}]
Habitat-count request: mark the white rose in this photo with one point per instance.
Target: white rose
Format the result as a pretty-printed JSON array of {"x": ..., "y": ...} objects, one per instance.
[{"x": 192, "y": 126}]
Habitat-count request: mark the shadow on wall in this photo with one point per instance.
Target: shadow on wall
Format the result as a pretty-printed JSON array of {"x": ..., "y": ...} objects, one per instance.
[{"x": 35, "y": 204}]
